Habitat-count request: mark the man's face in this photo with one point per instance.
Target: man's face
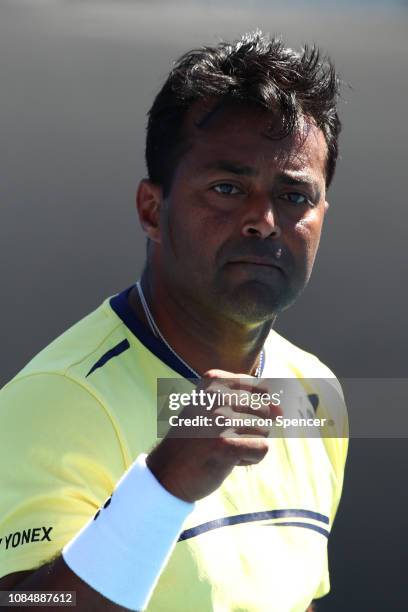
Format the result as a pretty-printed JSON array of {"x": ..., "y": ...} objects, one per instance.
[{"x": 240, "y": 227}]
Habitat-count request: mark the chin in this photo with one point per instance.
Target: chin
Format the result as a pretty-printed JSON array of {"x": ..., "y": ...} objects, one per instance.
[{"x": 256, "y": 304}]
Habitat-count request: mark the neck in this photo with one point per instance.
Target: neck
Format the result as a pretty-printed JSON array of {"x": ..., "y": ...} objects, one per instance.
[{"x": 204, "y": 342}]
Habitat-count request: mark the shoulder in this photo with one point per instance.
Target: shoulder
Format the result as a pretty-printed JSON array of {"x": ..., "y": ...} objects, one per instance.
[
  {"x": 83, "y": 384},
  {"x": 53, "y": 386},
  {"x": 50, "y": 411},
  {"x": 76, "y": 344}
]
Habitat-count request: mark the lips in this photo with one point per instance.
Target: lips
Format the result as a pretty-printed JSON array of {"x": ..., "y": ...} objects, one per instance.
[{"x": 258, "y": 261}]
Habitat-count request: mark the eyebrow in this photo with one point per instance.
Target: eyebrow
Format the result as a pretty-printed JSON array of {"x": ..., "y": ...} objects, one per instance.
[
  {"x": 282, "y": 177},
  {"x": 232, "y": 168},
  {"x": 299, "y": 180}
]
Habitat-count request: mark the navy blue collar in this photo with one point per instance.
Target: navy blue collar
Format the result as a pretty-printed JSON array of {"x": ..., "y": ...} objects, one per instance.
[{"x": 119, "y": 303}]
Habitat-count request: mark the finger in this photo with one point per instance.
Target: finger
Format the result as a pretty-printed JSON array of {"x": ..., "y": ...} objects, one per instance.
[
  {"x": 232, "y": 379},
  {"x": 249, "y": 403},
  {"x": 241, "y": 404},
  {"x": 214, "y": 373},
  {"x": 244, "y": 397},
  {"x": 238, "y": 381},
  {"x": 244, "y": 424},
  {"x": 245, "y": 450}
]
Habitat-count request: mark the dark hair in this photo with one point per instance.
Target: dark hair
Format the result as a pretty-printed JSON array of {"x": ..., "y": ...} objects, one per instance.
[{"x": 254, "y": 70}]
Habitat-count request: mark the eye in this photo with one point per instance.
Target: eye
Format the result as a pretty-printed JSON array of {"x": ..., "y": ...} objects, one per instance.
[
  {"x": 297, "y": 198},
  {"x": 226, "y": 189}
]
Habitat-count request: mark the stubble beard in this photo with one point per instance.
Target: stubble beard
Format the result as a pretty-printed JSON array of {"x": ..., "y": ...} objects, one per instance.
[{"x": 253, "y": 302}]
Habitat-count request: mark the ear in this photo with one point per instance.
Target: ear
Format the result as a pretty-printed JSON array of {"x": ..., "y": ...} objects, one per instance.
[
  {"x": 326, "y": 206},
  {"x": 148, "y": 202}
]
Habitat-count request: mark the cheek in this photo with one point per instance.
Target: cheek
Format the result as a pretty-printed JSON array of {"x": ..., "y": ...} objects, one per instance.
[
  {"x": 306, "y": 237},
  {"x": 207, "y": 230},
  {"x": 191, "y": 238}
]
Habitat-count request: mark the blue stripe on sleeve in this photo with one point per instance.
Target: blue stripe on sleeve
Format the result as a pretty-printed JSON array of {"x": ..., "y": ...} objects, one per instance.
[{"x": 113, "y": 352}]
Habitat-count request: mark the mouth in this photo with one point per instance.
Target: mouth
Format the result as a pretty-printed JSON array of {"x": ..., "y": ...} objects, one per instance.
[{"x": 256, "y": 261}]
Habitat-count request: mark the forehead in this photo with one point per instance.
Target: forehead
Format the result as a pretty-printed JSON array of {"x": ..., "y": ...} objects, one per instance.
[{"x": 246, "y": 135}]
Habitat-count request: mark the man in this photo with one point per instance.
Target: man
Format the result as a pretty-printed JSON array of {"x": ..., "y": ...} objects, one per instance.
[{"x": 241, "y": 148}]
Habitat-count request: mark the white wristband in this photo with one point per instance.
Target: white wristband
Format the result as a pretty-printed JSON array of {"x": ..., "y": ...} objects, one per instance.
[{"x": 122, "y": 551}]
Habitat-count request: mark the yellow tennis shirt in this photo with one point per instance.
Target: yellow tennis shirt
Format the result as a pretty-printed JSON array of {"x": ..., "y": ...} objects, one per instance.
[{"x": 76, "y": 417}]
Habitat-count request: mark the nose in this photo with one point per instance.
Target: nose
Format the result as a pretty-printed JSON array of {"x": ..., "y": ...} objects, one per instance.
[{"x": 261, "y": 220}]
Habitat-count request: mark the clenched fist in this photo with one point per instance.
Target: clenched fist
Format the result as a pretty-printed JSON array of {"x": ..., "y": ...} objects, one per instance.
[{"x": 192, "y": 468}]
